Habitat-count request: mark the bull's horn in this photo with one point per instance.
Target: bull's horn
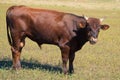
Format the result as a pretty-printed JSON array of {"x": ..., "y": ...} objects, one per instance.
[
  {"x": 86, "y": 17},
  {"x": 101, "y": 19}
]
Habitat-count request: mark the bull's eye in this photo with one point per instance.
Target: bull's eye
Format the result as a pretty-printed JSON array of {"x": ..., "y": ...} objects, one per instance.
[
  {"x": 89, "y": 33},
  {"x": 89, "y": 29}
]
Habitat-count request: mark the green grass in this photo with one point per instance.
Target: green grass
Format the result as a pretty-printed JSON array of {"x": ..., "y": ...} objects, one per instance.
[{"x": 92, "y": 62}]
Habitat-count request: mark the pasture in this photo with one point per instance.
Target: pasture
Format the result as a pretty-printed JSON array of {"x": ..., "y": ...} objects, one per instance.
[{"x": 93, "y": 62}]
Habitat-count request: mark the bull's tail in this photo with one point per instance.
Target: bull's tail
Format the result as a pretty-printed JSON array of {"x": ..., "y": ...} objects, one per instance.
[
  {"x": 8, "y": 25},
  {"x": 8, "y": 34}
]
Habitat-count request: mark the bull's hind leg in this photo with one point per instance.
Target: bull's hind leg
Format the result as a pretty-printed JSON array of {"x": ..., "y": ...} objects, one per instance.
[{"x": 18, "y": 44}]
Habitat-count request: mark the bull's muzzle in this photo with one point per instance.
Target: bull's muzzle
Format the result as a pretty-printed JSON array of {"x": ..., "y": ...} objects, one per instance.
[{"x": 93, "y": 40}]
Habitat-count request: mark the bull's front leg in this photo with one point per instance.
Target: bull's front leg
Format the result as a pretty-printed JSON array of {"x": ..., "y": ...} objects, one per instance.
[
  {"x": 65, "y": 56},
  {"x": 71, "y": 59}
]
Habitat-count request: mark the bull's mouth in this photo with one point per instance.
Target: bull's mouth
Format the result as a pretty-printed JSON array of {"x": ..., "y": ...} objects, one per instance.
[{"x": 93, "y": 40}]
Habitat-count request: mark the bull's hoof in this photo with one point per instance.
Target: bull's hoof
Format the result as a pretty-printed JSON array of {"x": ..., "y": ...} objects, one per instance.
[
  {"x": 16, "y": 67},
  {"x": 71, "y": 71},
  {"x": 65, "y": 71}
]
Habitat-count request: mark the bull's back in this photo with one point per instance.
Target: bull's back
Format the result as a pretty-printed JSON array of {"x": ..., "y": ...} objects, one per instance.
[{"x": 36, "y": 15}]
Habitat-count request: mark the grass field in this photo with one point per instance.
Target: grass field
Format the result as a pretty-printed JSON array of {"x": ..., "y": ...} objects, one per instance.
[{"x": 92, "y": 62}]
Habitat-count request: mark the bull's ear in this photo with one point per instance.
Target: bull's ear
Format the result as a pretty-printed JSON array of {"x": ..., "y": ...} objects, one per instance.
[
  {"x": 104, "y": 27},
  {"x": 82, "y": 25}
]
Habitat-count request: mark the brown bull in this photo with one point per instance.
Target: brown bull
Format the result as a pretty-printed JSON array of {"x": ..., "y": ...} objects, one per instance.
[{"x": 68, "y": 31}]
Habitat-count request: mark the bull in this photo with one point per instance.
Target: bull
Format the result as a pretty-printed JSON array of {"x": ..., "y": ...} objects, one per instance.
[{"x": 67, "y": 31}]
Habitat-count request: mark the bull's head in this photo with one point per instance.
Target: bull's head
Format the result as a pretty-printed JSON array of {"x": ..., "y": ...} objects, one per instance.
[{"x": 93, "y": 28}]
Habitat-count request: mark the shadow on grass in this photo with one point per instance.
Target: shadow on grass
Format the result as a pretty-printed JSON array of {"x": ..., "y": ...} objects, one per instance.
[{"x": 7, "y": 64}]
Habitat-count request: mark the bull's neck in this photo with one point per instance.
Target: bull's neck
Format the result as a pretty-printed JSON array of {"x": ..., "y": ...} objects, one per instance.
[{"x": 82, "y": 37}]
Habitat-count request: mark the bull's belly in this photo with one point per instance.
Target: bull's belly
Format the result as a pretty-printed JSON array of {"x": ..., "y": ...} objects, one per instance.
[{"x": 44, "y": 40}]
